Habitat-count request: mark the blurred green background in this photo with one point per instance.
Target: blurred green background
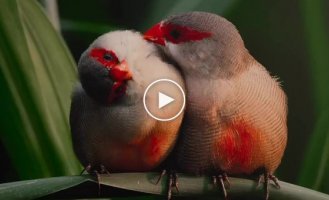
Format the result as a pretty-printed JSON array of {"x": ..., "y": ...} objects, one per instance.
[{"x": 290, "y": 38}]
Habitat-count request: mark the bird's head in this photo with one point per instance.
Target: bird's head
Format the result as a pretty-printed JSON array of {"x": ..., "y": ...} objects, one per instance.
[
  {"x": 201, "y": 43},
  {"x": 104, "y": 70}
]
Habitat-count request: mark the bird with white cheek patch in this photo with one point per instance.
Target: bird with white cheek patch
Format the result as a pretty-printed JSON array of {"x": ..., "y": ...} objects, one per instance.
[
  {"x": 111, "y": 131},
  {"x": 236, "y": 112}
]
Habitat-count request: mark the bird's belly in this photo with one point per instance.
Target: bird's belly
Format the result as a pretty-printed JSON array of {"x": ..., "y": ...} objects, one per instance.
[
  {"x": 195, "y": 145},
  {"x": 137, "y": 156},
  {"x": 238, "y": 149}
]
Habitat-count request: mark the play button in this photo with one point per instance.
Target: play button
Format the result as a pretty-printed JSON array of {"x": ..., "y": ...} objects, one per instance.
[{"x": 164, "y": 99}]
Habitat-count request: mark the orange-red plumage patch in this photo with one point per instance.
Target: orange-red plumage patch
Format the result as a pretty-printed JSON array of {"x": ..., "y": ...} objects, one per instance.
[
  {"x": 154, "y": 145},
  {"x": 140, "y": 155},
  {"x": 235, "y": 148},
  {"x": 154, "y": 148}
]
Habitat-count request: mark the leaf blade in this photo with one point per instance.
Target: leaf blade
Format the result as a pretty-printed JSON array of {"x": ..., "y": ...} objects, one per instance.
[
  {"x": 32, "y": 189},
  {"x": 202, "y": 186},
  {"x": 37, "y": 99}
]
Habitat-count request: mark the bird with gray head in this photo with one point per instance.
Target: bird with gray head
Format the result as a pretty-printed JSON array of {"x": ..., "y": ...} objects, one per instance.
[
  {"x": 111, "y": 131},
  {"x": 236, "y": 113}
]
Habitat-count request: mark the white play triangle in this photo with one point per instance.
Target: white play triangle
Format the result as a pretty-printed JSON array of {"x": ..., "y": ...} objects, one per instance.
[{"x": 164, "y": 100}]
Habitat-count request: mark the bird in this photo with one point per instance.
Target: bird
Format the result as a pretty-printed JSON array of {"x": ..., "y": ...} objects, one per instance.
[
  {"x": 235, "y": 120},
  {"x": 110, "y": 129}
]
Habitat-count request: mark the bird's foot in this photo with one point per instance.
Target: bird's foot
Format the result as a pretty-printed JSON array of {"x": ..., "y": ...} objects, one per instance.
[
  {"x": 86, "y": 169},
  {"x": 104, "y": 170},
  {"x": 275, "y": 181},
  {"x": 222, "y": 182},
  {"x": 161, "y": 176},
  {"x": 172, "y": 182},
  {"x": 96, "y": 171},
  {"x": 265, "y": 178}
]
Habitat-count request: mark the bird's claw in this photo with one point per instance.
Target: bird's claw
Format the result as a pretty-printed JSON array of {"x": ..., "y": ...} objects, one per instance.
[
  {"x": 172, "y": 182},
  {"x": 103, "y": 170},
  {"x": 275, "y": 181},
  {"x": 265, "y": 178},
  {"x": 161, "y": 175},
  {"x": 86, "y": 169},
  {"x": 270, "y": 177},
  {"x": 223, "y": 180},
  {"x": 260, "y": 180},
  {"x": 95, "y": 170}
]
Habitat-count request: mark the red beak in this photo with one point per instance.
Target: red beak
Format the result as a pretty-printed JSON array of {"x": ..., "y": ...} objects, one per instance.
[
  {"x": 155, "y": 34},
  {"x": 121, "y": 72}
]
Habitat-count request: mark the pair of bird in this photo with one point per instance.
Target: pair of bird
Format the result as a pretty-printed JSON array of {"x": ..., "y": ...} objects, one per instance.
[{"x": 235, "y": 116}]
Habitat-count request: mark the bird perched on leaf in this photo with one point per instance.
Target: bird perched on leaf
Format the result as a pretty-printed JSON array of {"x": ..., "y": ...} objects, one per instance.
[
  {"x": 111, "y": 131},
  {"x": 236, "y": 112}
]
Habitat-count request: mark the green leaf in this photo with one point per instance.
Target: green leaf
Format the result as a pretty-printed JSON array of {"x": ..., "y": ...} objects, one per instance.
[
  {"x": 316, "y": 32},
  {"x": 196, "y": 187},
  {"x": 32, "y": 189},
  {"x": 36, "y": 76},
  {"x": 191, "y": 186},
  {"x": 314, "y": 172}
]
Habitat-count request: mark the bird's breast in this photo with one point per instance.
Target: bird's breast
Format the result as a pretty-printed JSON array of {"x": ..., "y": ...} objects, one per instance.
[{"x": 201, "y": 125}]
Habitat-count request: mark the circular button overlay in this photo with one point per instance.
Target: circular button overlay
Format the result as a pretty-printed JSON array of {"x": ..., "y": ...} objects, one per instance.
[{"x": 164, "y": 100}]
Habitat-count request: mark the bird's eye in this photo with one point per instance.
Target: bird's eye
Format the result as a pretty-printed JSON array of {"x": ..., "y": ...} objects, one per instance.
[
  {"x": 175, "y": 34},
  {"x": 107, "y": 57}
]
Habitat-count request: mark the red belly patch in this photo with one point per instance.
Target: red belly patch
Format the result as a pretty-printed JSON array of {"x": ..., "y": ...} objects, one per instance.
[
  {"x": 140, "y": 155},
  {"x": 236, "y": 148},
  {"x": 154, "y": 148}
]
